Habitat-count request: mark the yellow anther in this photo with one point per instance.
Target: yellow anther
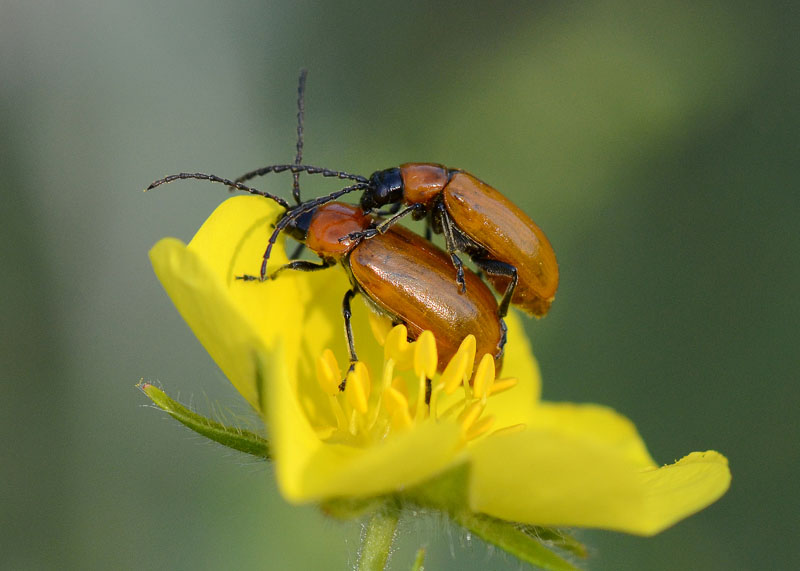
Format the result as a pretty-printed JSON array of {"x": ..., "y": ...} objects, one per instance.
[
  {"x": 425, "y": 357},
  {"x": 470, "y": 414},
  {"x": 357, "y": 389},
  {"x": 328, "y": 374},
  {"x": 484, "y": 377},
  {"x": 398, "y": 348},
  {"x": 455, "y": 372},
  {"x": 479, "y": 428},
  {"x": 468, "y": 347},
  {"x": 409, "y": 370},
  {"x": 501, "y": 385}
]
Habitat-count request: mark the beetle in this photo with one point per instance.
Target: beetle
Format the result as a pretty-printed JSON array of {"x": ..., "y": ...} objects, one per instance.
[
  {"x": 399, "y": 273},
  {"x": 474, "y": 218}
]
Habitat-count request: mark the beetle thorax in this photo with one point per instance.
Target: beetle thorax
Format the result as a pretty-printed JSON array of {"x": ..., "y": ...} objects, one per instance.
[{"x": 330, "y": 223}]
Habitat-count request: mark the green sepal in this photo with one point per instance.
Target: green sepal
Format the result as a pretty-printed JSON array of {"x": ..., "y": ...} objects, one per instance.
[
  {"x": 446, "y": 492},
  {"x": 352, "y": 508},
  {"x": 556, "y": 538},
  {"x": 508, "y": 536},
  {"x": 229, "y": 436}
]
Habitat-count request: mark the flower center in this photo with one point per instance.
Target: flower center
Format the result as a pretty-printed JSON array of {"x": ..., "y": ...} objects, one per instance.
[{"x": 410, "y": 391}]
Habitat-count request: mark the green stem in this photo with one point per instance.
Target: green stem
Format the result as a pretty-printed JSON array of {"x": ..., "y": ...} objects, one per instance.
[
  {"x": 376, "y": 544},
  {"x": 419, "y": 562}
]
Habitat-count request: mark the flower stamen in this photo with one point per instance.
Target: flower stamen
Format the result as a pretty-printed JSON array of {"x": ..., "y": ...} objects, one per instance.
[
  {"x": 411, "y": 392},
  {"x": 484, "y": 377}
]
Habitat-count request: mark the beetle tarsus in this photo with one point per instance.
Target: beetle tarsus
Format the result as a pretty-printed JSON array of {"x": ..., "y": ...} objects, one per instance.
[
  {"x": 459, "y": 273},
  {"x": 249, "y": 278},
  {"x": 501, "y": 345},
  {"x": 348, "y": 329},
  {"x": 362, "y": 235},
  {"x": 343, "y": 384}
]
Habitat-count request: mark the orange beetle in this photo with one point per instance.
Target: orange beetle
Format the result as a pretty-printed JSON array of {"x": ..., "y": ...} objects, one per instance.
[
  {"x": 399, "y": 273},
  {"x": 473, "y": 217}
]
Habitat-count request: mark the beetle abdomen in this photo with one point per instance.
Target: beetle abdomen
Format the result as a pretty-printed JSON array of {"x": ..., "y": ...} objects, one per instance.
[
  {"x": 508, "y": 235},
  {"x": 412, "y": 279}
]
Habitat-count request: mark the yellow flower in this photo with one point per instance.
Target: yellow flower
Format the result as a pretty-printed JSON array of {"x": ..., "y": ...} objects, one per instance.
[{"x": 528, "y": 461}]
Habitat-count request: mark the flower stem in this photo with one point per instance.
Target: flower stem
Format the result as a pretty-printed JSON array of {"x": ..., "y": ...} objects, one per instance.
[{"x": 377, "y": 539}]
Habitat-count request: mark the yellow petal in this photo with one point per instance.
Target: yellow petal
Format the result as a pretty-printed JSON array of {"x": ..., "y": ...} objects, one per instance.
[
  {"x": 227, "y": 335},
  {"x": 596, "y": 424},
  {"x": 681, "y": 489},
  {"x": 586, "y": 466},
  {"x": 232, "y": 318}
]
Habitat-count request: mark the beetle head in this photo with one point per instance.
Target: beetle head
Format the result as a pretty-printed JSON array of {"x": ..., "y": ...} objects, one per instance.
[{"x": 385, "y": 187}]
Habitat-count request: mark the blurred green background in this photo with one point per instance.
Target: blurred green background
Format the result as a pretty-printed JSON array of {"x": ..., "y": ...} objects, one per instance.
[{"x": 656, "y": 143}]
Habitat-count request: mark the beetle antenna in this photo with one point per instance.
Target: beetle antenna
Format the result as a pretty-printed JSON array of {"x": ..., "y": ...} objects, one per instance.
[
  {"x": 298, "y": 211},
  {"x": 214, "y": 178},
  {"x": 301, "y": 109},
  {"x": 301, "y": 168}
]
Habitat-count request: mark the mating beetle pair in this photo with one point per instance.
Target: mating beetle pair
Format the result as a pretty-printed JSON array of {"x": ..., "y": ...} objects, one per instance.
[{"x": 404, "y": 275}]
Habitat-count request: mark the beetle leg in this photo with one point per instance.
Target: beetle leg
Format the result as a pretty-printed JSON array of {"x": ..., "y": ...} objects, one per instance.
[
  {"x": 452, "y": 246},
  {"x": 348, "y": 331},
  {"x": 302, "y": 266},
  {"x": 498, "y": 268},
  {"x": 383, "y": 226},
  {"x": 360, "y": 235},
  {"x": 386, "y": 224}
]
